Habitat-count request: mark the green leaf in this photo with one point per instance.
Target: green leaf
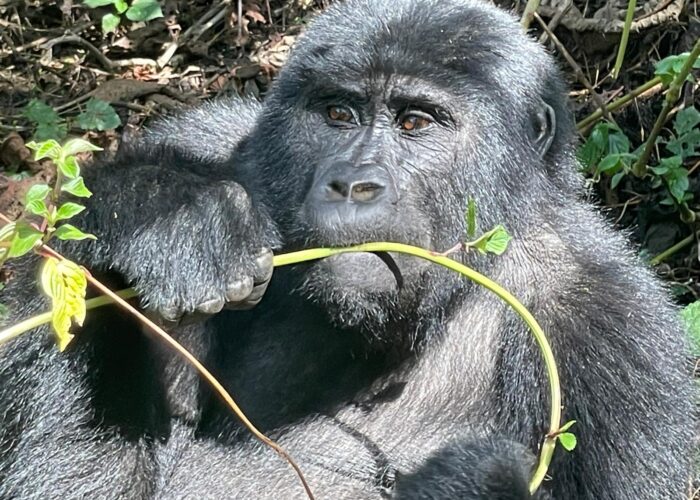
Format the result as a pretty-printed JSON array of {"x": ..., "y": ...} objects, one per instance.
[
  {"x": 39, "y": 112},
  {"x": 567, "y": 440},
  {"x": 37, "y": 207},
  {"x": 98, "y": 115},
  {"x": 24, "y": 240},
  {"x": 618, "y": 141},
  {"x": 617, "y": 178},
  {"x": 7, "y": 230},
  {"x": 121, "y": 6},
  {"x": 70, "y": 232},
  {"x": 46, "y": 149},
  {"x": 471, "y": 218},
  {"x": 98, "y": 3},
  {"x": 678, "y": 183},
  {"x": 610, "y": 162},
  {"x": 110, "y": 23},
  {"x": 686, "y": 120},
  {"x": 37, "y": 192},
  {"x": 69, "y": 167},
  {"x": 76, "y": 187},
  {"x": 53, "y": 130},
  {"x": 78, "y": 145},
  {"x": 690, "y": 315},
  {"x": 497, "y": 243},
  {"x": 144, "y": 10},
  {"x": 68, "y": 210}
]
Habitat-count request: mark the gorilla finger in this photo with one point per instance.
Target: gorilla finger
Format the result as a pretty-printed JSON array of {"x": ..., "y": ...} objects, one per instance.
[
  {"x": 258, "y": 292},
  {"x": 212, "y": 306},
  {"x": 239, "y": 290},
  {"x": 170, "y": 313},
  {"x": 263, "y": 266},
  {"x": 243, "y": 306}
]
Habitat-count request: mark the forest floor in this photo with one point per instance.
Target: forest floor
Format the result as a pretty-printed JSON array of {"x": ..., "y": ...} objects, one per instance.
[{"x": 61, "y": 74}]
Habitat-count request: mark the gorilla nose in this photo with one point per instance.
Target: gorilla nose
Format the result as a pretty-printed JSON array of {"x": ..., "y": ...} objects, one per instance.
[
  {"x": 344, "y": 183},
  {"x": 361, "y": 191}
]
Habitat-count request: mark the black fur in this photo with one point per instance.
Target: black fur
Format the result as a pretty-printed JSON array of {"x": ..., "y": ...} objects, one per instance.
[{"x": 432, "y": 389}]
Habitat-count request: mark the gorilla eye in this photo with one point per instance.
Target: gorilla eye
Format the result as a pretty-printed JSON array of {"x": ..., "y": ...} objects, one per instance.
[
  {"x": 411, "y": 122},
  {"x": 340, "y": 114}
]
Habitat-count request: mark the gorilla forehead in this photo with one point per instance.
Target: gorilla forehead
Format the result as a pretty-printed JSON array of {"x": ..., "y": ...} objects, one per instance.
[{"x": 462, "y": 45}]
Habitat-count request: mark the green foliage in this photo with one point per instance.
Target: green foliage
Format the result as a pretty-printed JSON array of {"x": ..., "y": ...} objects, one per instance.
[
  {"x": 62, "y": 280},
  {"x": 139, "y": 10},
  {"x": 608, "y": 151},
  {"x": 98, "y": 115},
  {"x": 690, "y": 316},
  {"x": 668, "y": 68},
  {"x": 48, "y": 125},
  {"x": 567, "y": 439}
]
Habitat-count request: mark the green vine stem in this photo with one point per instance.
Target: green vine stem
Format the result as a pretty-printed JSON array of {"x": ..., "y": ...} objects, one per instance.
[
  {"x": 550, "y": 438},
  {"x": 618, "y": 103},
  {"x": 639, "y": 169},
  {"x": 624, "y": 39},
  {"x": 36, "y": 321}
]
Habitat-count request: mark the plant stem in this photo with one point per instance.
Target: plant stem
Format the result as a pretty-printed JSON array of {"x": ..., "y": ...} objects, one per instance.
[
  {"x": 625, "y": 37},
  {"x": 639, "y": 169},
  {"x": 529, "y": 13},
  {"x": 618, "y": 103},
  {"x": 673, "y": 249},
  {"x": 36, "y": 321},
  {"x": 549, "y": 443}
]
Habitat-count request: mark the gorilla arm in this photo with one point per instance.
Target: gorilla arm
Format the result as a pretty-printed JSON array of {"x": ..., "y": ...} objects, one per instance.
[{"x": 174, "y": 192}]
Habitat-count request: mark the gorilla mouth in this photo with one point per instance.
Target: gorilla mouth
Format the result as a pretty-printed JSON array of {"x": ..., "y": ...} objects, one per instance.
[{"x": 372, "y": 270}]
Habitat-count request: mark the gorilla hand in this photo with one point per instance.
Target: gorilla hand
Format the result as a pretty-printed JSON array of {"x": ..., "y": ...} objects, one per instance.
[
  {"x": 188, "y": 244},
  {"x": 203, "y": 256}
]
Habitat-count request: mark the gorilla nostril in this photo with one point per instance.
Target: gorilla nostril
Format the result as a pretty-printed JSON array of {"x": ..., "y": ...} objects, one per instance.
[{"x": 365, "y": 192}]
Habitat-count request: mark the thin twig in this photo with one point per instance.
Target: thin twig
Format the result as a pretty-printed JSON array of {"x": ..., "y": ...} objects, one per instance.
[
  {"x": 640, "y": 167},
  {"x": 653, "y": 84},
  {"x": 189, "y": 357},
  {"x": 103, "y": 59},
  {"x": 575, "y": 66}
]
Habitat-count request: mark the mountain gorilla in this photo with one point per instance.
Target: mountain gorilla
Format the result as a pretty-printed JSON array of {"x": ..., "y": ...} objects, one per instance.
[{"x": 389, "y": 115}]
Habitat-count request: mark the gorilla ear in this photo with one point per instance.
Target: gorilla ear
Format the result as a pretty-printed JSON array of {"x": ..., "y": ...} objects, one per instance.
[{"x": 544, "y": 128}]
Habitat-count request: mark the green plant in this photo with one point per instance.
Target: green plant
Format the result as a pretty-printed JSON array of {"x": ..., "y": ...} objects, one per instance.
[
  {"x": 62, "y": 280},
  {"x": 48, "y": 125},
  {"x": 607, "y": 151},
  {"x": 690, "y": 316},
  {"x": 137, "y": 10},
  {"x": 97, "y": 115}
]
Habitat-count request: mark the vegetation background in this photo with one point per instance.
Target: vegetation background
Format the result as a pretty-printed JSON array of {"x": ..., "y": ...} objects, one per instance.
[{"x": 103, "y": 68}]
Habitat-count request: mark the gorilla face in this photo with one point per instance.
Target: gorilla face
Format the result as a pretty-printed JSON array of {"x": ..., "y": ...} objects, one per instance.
[{"x": 382, "y": 145}]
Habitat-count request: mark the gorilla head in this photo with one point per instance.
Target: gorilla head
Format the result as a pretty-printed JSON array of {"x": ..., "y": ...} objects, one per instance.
[{"x": 383, "y": 133}]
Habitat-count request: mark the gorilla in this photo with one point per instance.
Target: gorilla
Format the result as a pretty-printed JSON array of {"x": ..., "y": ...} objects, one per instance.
[{"x": 388, "y": 116}]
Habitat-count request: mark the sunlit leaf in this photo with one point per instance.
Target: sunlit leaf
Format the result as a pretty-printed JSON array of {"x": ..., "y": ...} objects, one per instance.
[
  {"x": 24, "y": 240},
  {"x": 68, "y": 210},
  {"x": 76, "y": 187},
  {"x": 78, "y": 145},
  {"x": 70, "y": 232},
  {"x": 497, "y": 243},
  {"x": 144, "y": 10},
  {"x": 567, "y": 440},
  {"x": 65, "y": 283},
  {"x": 37, "y": 192}
]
